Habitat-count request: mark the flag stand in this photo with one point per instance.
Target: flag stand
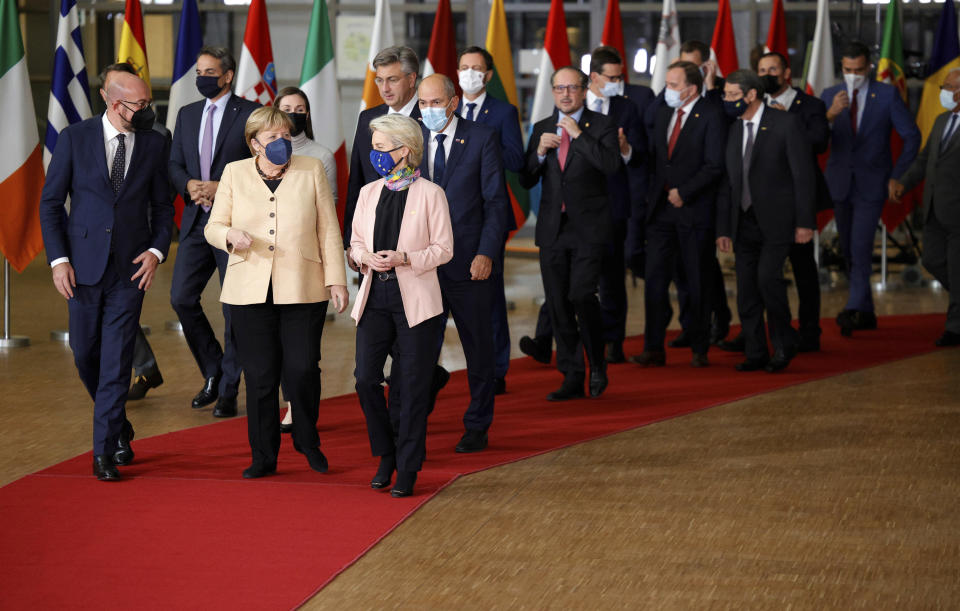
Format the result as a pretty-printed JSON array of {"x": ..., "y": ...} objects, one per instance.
[{"x": 9, "y": 341}]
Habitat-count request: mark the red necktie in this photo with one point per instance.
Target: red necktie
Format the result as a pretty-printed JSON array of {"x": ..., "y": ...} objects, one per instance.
[
  {"x": 853, "y": 113},
  {"x": 562, "y": 157},
  {"x": 675, "y": 133}
]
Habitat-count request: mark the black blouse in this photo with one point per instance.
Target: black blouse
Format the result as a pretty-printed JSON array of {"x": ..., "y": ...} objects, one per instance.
[
  {"x": 386, "y": 226},
  {"x": 272, "y": 184}
]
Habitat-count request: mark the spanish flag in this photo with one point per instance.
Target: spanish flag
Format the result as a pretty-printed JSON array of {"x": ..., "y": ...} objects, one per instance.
[
  {"x": 133, "y": 46},
  {"x": 944, "y": 58}
]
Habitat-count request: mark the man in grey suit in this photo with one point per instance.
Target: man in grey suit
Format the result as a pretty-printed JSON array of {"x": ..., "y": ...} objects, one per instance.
[{"x": 939, "y": 164}]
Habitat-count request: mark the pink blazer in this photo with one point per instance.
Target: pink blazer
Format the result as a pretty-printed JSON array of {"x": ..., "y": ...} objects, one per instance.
[{"x": 425, "y": 235}]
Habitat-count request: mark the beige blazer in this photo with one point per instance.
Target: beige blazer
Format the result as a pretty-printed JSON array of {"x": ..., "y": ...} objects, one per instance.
[
  {"x": 425, "y": 235},
  {"x": 296, "y": 235}
]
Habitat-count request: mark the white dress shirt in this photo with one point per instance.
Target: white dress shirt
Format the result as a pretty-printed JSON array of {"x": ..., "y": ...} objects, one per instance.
[
  {"x": 221, "y": 105},
  {"x": 755, "y": 120},
  {"x": 448, "y": 131},
  {"x": 686, "y": 108},
  {"x": 861, "y": 100},
  {"x": 479, "y": 104},
  {"x": 407, "y": 108},
  {"x": 785, "y": 99}
]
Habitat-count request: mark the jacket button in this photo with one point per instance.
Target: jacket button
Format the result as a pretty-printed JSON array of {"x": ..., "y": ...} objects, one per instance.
[
  {"x": 272, "y": 198},
  {"x": 271, "y": 248},
  {"x": 271, "y": 232},
  {"x": 272, "y": 215}
]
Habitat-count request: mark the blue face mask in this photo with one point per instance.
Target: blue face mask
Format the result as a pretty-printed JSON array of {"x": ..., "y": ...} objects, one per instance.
[
  {"x": 434, "y": 118},
  {"x": 735, "y": 108},
  {"x": 278, "y": 152},
  {"x": 673, "y": 98},
  {"x": 610, "y": 89},
  {"x": 382, "y": 162}
]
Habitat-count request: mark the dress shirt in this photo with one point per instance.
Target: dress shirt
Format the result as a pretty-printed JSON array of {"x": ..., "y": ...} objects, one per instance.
[
  {"x": 756, "y": 129},
  {"x": 448, "y": 131},
  {"x": 861, "y": 100},
  {"x": 221, "y": 105},
  {"x": 947, "y": 134},
  {"x": 785, "y": 99},
  {"x": 592, "y": 99},
  {"x": 576, "y": 119},
  {"x": 479, "y": 104},
  {"x": 407, "y": 108},
  {"x": 686, "y": 108}
]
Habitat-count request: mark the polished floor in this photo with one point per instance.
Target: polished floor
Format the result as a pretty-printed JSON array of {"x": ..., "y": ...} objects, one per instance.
[{"x": 834, "y": 494}]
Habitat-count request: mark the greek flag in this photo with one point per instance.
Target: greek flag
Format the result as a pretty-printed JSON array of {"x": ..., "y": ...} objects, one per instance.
[{"x": 69, "y": 90}]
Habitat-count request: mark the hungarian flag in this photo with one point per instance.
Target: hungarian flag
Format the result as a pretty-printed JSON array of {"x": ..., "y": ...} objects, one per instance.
[
  {"x": 668, "y": 45},
  {"x": 442, "y": 55},
  {"x": 944, "y": 58},
  {"x": 381, "y": 38},
  {"x": 723, "y": 47},
  {"x": 318, "y": 79},
  {"x": 256, "y": 74},
  {"x": 818, "y": 71},
  {"x": 133, "y": 46},
  {"x": 69, "y": 90},
  {"x": 613, "y": 33},
  {"x": 21, "y": 165},
  {"x": 555, "y": 54},
  {"x": 503, "y": 86},
  {"x": 777, "y": 35}
]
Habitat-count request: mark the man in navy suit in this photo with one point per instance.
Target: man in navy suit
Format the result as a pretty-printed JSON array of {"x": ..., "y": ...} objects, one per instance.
[
  {"x": 463, "y": 157},
  {"x": 208, "y": 135},
  {"x": 105, "y": 252},
  {"x": 475, "y": 70},
  {"x": 863, "y": 113}
]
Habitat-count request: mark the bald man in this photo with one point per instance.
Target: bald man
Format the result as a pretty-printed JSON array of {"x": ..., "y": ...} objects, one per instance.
[{"x": 105, "y": 252}]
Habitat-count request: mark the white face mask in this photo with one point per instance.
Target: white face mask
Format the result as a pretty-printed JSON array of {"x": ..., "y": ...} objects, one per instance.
[
  {"x": 946, "y": 99},
  {"x": 854, "y": 81},
  {"x": 471, "y": 81},
  {"x": 610, "y": 89},
  {"x": 673, "y": 98}
]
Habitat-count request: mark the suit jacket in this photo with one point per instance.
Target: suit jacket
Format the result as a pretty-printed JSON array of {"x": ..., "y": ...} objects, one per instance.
[
  {"x": 624, "y": 186},
  {"x": 863, "y": 164},
  {"x": 185, "y": 152},
  {"x": 426, "y": 237},
  {"x": 641, "y": 96},
  {"x": 295, "y": 231},
  {"x": 476, "y": 194},
  {"x": 942, "y": 173},
  {"x": 581, "y": 185},
  {"x": 137, "y": 218},
  {"x": 781, "y": 180},
  {"x": 813, "y": 118},
  {"x": 714, "y": 96},
  {"x": 696, "y": 167},
  {"x": 361, "y": 170}
]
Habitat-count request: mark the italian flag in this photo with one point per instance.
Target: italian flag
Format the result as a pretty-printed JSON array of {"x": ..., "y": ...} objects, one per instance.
[
  {"x": 21, "y": 165},
  {"x": 318, "y": 79}
]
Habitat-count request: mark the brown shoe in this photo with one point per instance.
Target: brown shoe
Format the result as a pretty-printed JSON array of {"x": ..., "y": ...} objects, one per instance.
[
  {"x": 649, "y": 358},
  {"x": 699, "y": 360}
]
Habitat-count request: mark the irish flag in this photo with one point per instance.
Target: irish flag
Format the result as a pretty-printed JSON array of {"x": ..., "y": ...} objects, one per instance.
[
  {"x": 381, "y": 38},
  {"x": 555, "y": 54},
  {"x": 318, "y": 79},
  {"x": 21, "y": 165},
  {"x": 256, "y": 74},
  {"x": 133, "y": 46}
]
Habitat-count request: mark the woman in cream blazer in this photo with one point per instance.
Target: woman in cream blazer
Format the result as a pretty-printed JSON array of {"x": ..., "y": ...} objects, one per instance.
[
  {"x": 401, "y": 234},
  {"x": 274, "y": 214}
]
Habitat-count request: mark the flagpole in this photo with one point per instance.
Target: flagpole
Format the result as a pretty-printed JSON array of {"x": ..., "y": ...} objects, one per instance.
[{"x": 9, "y": 341}]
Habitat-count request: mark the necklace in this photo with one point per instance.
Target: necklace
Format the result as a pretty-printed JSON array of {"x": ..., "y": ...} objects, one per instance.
[{"x": 276, "y": 176}]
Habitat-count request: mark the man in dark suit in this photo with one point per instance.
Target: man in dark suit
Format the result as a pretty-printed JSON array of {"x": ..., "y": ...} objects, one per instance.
[
  {"x": 768, "y": 207},
  {"x": 939, "y": 164},
  {"x": 573, "y": 152},
  {"x": 104, "y": 254},
  {"x": 687, "y": 164},
  {"x": 863, "y": 113},
  {"x": 207, "y": 136},
  {"x": 464, "y": 158},
  {"x": 475, "y": 70}
]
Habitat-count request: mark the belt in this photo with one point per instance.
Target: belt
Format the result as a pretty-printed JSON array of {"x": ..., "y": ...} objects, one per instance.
[{"x": 385, "y": 276}]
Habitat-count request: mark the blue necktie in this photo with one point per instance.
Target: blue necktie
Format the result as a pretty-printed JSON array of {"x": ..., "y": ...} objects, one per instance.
[
  {"x": 945, "y": 141},
  {"x": 470, "y": 108},
  {"x": 439, "y": 160}
]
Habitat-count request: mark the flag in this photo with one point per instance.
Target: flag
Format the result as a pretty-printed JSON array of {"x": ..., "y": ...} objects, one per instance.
[
  {"x": 256, "y": 74},
  {"x": 503, "y": 86},
  {"x": 69, "y": 88},
  {"x": 21, "y": 165},
  {"x": 944, "y": 58},
  {"x": 183, "y": 88},
  {"x": 777, "y": 34},
  {"x": 819, "y": 71},
  {"x": 318, "y": 80},
  {"x": 668, "y": 45},
  {"x": 381, "y": 38},
  {"x": 613, "y": 33},
  {"x": 723, "y": 47},
  {"x": 555, "y": 54},
  {"x": 133, "y": 46},
  {"x": 442, "y": 54}
]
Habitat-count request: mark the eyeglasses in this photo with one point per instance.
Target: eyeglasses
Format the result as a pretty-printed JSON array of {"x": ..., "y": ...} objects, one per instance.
[
  {"x": 136, "y": 105},
  {"x": 567, "y": 88}
]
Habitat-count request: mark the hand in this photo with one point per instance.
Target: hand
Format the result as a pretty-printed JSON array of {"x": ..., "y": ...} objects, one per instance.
[
  {"x": 194, "y": 189},
  {"x": 724, "y": 244},
  {"x": 895, "y": 190},
  {"x": 710, "y": 76},
  {"x": 570, "y": 126},
  {"x": 803, "y": 235},
  {"x": 840, "y": 101},
  {"x": 376, "y": 262},
  {"x": 394, "y": 258},
  {"x": 353, "y": 264},
  {"x": 64, "y": 280},
  {"x": 481, "y": 267},
  {"x": 148, "y": 267},
  {"x": 340, "y": 297},
  {"x": 238, "y": 241},
  {"x": 624, "y": 145},
  {"x": 675, "y": 200},
  {"x": 547, "y": 141},
  {"x": 210, "y": 190}
]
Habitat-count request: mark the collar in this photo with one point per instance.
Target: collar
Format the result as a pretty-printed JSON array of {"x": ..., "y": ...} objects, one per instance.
[
  {"x": 407, "y": 108},
  {"x": 479, "y": 102},
  {"x": 575, "y": 115},
  {"x": 755, "y": 119},
  {"x": 686, "y": 108},
  {"x": 109, "y": 131},
  {"x": 221, "y": 104},
  {"x": 449, "y": 130},
  {"x": 785, "y": 99},
  {"x": 592, "y": 98}
]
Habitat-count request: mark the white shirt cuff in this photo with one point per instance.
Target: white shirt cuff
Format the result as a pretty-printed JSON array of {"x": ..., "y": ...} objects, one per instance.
[
  {"x": 628, "y": 156},
  {"x": 158, "y": 253},
  {"x": 57, "y": 262},
  {"x": 541, "y": 158}
]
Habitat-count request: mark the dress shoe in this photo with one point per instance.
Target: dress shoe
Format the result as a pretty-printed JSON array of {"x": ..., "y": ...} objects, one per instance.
[
  {"x": 143, "y": 383},
  {"x": 572, "y": 388},
  {"x": 472, "y": 441},
  {"x": 737, "y": 344},
  {"x": 208, "y": 394},
  {"x": 949, "y": 338},
  {"x": 318, "y": 462},
  {"x": 226, "y": 407},
  {"x": 649, "y": 358},
  {"x": 104, "y": 468},
  {"x": 499, "y": 386},
  {"x": 405, "y": 482},
  {"x": 598, "y": 380},
  {"x": 680, "y": 341},
  {"x": 751, "y": 365},
  {"x": 537, "y": 349},
  {"x": 388, "y": 464},
  {"x": 699, "y": 360},
  {"x": 809, "y": 344},
  {"x": 614, "y": 353},
  {"x": 286, "y": 428},
  {"x": 259, "y": 470},
  {"x": 718, "y": 332},
  {"x": 124, "y": 453},
  {"x": 856, "y": 320},
  {"x": 780, "y": 360}
]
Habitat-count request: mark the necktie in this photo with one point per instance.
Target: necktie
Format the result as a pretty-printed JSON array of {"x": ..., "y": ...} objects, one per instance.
[
  {"x": 439, "y": 160},
  {"x": 119, "y": 161},
  {"x": 951, "y": 128},
  {"x": 470, "y": 108},
  {"x": 675, "y": 133},
  {"x": 598, "y": 105},
  {"x": 562, "y": 157},
  {"x": 745, "y": 199},
  {"x": 206, "y": 148},
  {"x": 854, "y": 110}
]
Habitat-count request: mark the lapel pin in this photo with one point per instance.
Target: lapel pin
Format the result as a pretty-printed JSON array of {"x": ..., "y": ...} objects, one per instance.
[
  {"x": 586, "y": 125},
  {"x": 873, "y": 95},
  {"x": 696, "y": 116},
  {"x": 763, "y": 129},
  {"x": 486, "y": 111}
]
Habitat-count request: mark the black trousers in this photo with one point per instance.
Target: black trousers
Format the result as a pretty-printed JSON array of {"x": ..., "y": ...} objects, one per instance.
[
  {"x": 941, "y": 257},
  {"x": 716, "y": 294},
  {"x": 274, "y": 341},
  {"x": 571, "y": 273},
  {"x": 807, "y": 278},
  {"x": 613, "y": 292},
  {"x": 501, "y": 330},
  {"x": 401, "y": 430},
  {"x": 761, "y": 286},
  {"x": 144, "y": 360}
]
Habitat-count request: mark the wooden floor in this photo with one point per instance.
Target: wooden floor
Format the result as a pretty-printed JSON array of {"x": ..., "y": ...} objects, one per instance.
[{"x": 836, "y": 494}]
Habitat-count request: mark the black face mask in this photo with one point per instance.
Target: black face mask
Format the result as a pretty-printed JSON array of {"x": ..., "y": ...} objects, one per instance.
[
  {"x": 771, "y": 84},
  {"x": 143, "y": 119},
  {"x": 736, "y": 108},
  {"x": 208, "y": 86},
  {"x": 299, "y": 122}
]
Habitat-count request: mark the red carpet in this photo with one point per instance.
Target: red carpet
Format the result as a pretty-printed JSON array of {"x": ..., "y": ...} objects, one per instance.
[{"x": 186, "y": 531}]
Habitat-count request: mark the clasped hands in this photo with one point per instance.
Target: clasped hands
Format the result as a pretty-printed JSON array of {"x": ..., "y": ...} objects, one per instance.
[{"x": 202, "y": 191}]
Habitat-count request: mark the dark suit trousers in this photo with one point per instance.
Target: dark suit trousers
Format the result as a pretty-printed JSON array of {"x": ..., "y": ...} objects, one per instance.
[
  {"x": 761, "y": 286},
  {"x": 716, "y": 293},
  {"x": 613, "y": 292},
  {"x": 401, "y": 430},
  {"x": 571, "y": 274},
  {"x": 857, "y": 220},
  {"x": 501, "y": 330},
  {"x": 195, "y": 264},
  {"x": 274, "y": 341},
  {"x": 807, "y": 278},
  {"x": 104, "y": 319},
  {"x": 941, "y": 257},
  {"x": 144, "y": 360}
]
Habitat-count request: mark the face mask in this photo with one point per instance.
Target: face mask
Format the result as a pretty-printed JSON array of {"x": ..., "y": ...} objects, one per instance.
[
  {"x": 299, "y": 120},
  {"x": 673, "y": 98},
  {"x": 383, "y": 162},
  {"x": 771, "y": 84},
  {"x": 143, "y": 119},
  {"x": 278, "y": 152},
  {"x": 946, "y": 99},
  {"x": 471, "y": 81},
  {"x": 854, "y": 81},
  {"x": 208, "y": 87},
  {"x": 434, "y": 118},
  {"x": 736, "y": 108},
  {"x": 610, "y": 89}
]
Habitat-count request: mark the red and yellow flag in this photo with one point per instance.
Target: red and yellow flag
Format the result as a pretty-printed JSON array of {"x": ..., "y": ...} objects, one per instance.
[{"x": 133, "y": 46}]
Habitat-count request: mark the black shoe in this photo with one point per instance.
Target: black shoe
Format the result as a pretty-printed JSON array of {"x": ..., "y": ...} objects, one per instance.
[
  {"x": 258, "y": 470},
  {"x": 388, "y": 464},
  {"x": 598, "y": 380},
  {"x": 649, "y": 358},
  {"x": 680, "y": 341},
  {"x": 226, "y": 407},
  {"x": 809, "y": 344},
  {"x": 737, "y": 344},
  {"x": 719, "y": 332},
  {"x": 780, "y": 360},
  {"x": 699, "y": 360},
  {"x": 751, "y": 365},
  {"x": 843, "y": 316},
  {"x": 405, "y": 482},
  {"x": 856, "y": 320},
  {"x": 614, "y": 353},
  {"x": 142, "y": 384},
  {"x": 208, "y": 394},
  {"x": 318, "y": 462},
  {"x": 572, "y": 388},
  {"x": 286, "y": 428},
  {"x": 104, "y": 468},
  {"x": 124, "y": 453},
  {"x": 537, "y": 349},
  {"x": 472, "y": 441},
  {"x": 499, "y": 386},
  {"x": 949, "y": 338}
]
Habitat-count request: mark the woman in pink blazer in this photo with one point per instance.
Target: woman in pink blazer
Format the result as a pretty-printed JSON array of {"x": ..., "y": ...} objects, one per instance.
[{"x": 401, "y": 234}]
